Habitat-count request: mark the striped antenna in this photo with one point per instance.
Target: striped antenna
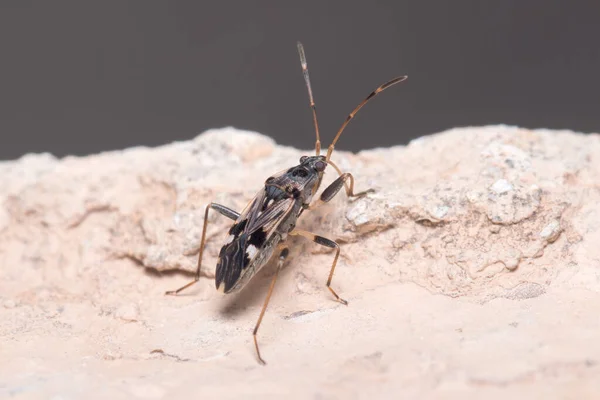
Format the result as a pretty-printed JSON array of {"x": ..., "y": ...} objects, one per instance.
[
  {"x": 353, "y": 113},
  {"x": 310, "y": 96}
]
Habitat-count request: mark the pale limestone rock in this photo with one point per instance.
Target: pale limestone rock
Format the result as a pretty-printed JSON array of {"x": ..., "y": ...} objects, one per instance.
[{"x": 472, "y": 271}]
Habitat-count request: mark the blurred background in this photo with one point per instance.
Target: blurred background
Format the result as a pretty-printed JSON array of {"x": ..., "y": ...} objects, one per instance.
[{"x": 83, "y": 77}]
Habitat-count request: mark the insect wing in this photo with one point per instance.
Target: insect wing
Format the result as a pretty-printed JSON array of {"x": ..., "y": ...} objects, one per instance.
[{"x": 249, "y": 234}]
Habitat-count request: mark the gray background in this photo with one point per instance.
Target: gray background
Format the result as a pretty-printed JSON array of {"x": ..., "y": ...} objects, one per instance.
[{"x": 81, "y": 77}]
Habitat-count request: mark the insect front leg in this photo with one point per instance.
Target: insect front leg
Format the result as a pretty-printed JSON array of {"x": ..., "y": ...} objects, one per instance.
[
  {"x": 229, "y": 213},
  {"x": 349, "y": 188},
  {"x": 327, "y": 243},
  {"x": 335, "y": 186},
  {"x": 282, "y": 256}
]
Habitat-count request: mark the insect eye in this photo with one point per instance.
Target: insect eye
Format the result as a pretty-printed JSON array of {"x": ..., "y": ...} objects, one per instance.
[
  {"x": 320, "y": 166},
  {"x": 303, "y": 158}
]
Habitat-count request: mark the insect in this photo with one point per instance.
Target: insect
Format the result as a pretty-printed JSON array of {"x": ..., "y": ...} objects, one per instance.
[{"x": 261, "y": 230}]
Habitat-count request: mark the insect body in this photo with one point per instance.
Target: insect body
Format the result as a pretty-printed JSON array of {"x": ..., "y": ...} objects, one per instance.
[{"x": 262, "y": 228}]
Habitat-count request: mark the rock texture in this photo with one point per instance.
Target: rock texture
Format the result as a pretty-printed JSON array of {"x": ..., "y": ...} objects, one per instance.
[{"x": 473, "y": 271}]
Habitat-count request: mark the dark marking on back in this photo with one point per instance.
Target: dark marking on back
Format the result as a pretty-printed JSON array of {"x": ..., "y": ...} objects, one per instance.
[
  {"x": 300, "y": 172},
  {"x": 238, "y": 228},
  {"x": 232, "y": 260},
  {"x": 258, "y": 238}
]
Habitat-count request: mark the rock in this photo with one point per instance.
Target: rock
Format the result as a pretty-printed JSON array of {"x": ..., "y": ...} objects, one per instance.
[
  {"x": 9, "y": 303},
  {"x": 472, "y": 268},
  {"x": 128, "y": 313}
]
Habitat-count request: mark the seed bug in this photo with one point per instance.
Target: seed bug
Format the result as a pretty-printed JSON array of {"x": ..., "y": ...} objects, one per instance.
[{"x": 266, "y": 222}]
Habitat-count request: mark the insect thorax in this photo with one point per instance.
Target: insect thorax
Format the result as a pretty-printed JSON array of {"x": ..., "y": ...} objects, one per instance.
[{"x": 302, "y": 180}]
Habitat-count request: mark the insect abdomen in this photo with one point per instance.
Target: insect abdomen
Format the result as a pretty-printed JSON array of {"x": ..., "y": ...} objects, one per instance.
[
  {"x": 232, "y": 261},
  {"x": 236, "y": 267}
]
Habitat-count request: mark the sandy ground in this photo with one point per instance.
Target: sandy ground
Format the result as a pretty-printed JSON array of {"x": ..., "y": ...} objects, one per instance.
[{"x": 473, "y": 271}]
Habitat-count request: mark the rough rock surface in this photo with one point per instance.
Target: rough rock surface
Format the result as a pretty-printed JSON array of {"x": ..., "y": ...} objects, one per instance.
[{"x": 473, "y": 271}]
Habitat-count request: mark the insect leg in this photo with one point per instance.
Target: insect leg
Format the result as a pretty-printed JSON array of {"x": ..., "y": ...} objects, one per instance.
[
  {"x": 282, "y": 256},
  {"x": 350, "y": 189},
  {"x": 229, "y": 213},
  {"x": 327, "y": 243},
  {"x": 333, "y": 189}
]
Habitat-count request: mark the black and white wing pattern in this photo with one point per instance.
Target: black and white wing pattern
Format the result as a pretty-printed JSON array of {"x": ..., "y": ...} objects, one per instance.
[{"x": 249, "y": 234}]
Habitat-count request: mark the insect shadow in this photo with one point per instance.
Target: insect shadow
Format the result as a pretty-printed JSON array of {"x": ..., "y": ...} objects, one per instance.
[{"x": 239, "y": 302}]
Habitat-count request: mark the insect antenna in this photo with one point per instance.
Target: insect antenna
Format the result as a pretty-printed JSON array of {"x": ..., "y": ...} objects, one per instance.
[
  {"x": 353, "y": 113},
  {"x": 310, "y": 96}
]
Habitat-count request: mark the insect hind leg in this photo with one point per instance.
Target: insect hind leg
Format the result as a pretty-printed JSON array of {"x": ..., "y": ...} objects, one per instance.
[
  {"x": 323, "y": 241},
  {"x": 282, "y": 256},
  {"x": 229, "y": 213}
]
